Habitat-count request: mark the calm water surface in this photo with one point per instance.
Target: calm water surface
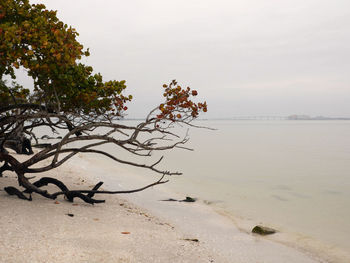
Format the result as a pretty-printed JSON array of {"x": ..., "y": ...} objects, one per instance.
[{"x": 292, "y": 175}]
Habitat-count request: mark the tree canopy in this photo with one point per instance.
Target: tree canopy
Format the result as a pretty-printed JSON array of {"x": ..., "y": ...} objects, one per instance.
[
  {"x": 70, "y": 99},
  {"x": 33, "y": 38}
]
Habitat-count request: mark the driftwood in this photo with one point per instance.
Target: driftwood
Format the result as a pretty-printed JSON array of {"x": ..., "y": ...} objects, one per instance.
[
  {"x": 14, "y": 191},
  {"x": 188, "y": 199},
  {"x": 69, "y": 195},
  {"x": 85, "y": 195}
]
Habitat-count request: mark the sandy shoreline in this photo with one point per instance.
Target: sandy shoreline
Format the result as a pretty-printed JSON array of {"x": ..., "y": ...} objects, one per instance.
[
  {"x": 124, "y": 231},
  {"x": 41, "y": 231}
]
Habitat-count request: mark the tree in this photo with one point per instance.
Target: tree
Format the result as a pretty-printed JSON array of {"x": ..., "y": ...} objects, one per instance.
[{"x": 70, "y": 100}]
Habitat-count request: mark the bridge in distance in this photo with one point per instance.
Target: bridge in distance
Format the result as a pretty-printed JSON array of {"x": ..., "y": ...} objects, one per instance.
[{"x": 259, "y": 118}]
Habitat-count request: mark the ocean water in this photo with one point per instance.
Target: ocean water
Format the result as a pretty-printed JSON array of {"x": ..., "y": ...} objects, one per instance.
[
  {"x": 290, "y": 175},
  {"x": 293, "y": 175}
]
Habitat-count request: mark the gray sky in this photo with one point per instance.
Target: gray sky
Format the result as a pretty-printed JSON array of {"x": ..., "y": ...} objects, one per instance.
[{"x": 251, "y": 57}]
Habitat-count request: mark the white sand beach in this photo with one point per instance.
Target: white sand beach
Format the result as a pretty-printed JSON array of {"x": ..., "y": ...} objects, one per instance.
[
  {"x": 122, "y": 231},
  {"x": 116, "y": 231}
]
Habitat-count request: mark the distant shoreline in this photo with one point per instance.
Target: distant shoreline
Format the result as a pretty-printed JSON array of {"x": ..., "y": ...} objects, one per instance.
[{"x": 263, "y": 118}]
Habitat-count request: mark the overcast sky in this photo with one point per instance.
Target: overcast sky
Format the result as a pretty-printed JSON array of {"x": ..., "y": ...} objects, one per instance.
[{"x": 246, "y": 57}]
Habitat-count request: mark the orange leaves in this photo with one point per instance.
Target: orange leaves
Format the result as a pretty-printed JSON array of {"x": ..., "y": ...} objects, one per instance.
[
  {"x": 26, "y": 24},
  {"x": 161, "y": 107},
  {"x": 56, "y": 32},
  {"x": 30, "y": 53},
  {"x": 178, "y": 104}
]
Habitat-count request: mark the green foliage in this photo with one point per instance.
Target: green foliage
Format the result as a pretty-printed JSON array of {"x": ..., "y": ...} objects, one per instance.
[
  {"x": 33, "y": 38},
  {"x": 14, "y": 94}
]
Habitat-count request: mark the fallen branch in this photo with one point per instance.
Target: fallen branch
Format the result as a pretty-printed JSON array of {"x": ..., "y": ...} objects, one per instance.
[
  {"x": 85, "y": 195},
  {"x": 14, "y": 191}
]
